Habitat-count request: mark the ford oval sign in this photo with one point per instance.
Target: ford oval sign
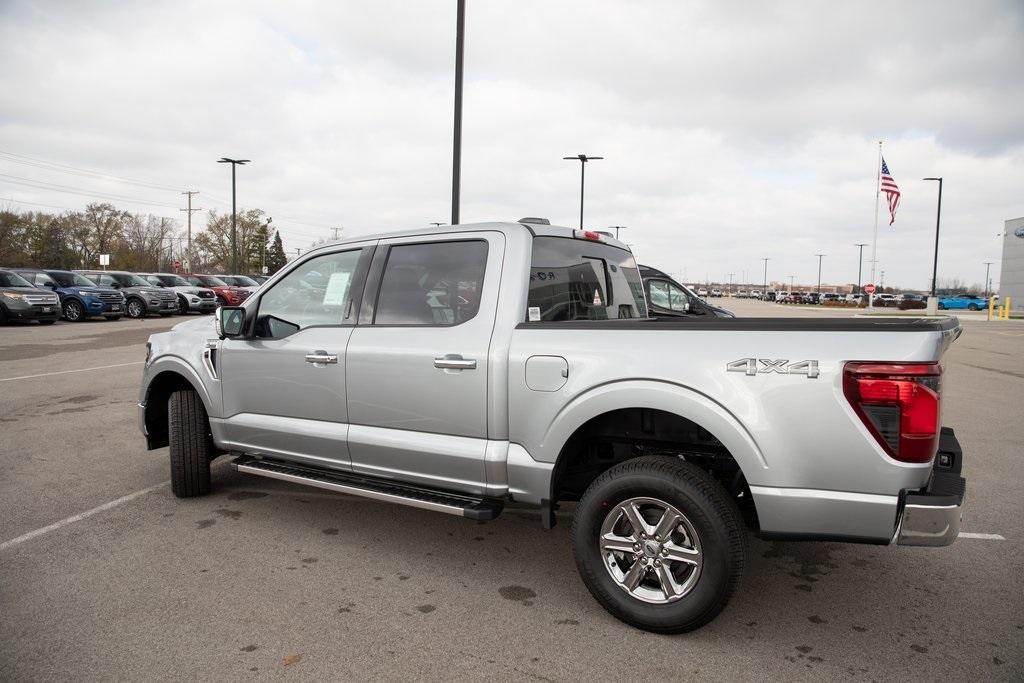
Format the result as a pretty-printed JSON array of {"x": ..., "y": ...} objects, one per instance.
[{"x": 1019, "y": 232}]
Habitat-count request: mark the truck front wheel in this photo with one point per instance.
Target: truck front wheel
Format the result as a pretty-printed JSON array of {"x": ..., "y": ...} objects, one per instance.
[
  {"x": 191, "y": 444},
  {"x": 659, "y": 543}
]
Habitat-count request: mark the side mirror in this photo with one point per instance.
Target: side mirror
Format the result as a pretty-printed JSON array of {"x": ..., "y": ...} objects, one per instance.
[
  {"x": 115, "y": 285},
  {"x": 229, "y": 321}
]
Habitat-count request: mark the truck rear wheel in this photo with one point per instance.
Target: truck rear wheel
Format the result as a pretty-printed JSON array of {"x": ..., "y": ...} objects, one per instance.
[
  {"x": 191, "y": 444},
  {"x": 659, "y": 544}
]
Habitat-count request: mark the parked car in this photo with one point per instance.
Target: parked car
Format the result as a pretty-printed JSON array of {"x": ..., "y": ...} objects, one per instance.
[
  {"x": 812, "y": 298},
  {"x": 141, "y": 298},
  {"x": 831, "y": 296},
  {"x": 260, "y": 279},
  {"x": 241, "y": 281},
  {"x": 857, "y": 297},
  {"x": 437, "y": 369},
  {"x": 20, "y": 300},
  {"x": 970, "y": 302},
  {"x": 755, "y": 294},
  {"x": 795, "y": 298},
  {"x": 190, "y": 297},
  {"x": 669, "y": 299},
  {"x": 80, "y": 297},
  {"x": 716, "y": 292},
  {"x": 225, "y": 294},
  {"x": 702, "y": 292},
  {"x": 741, "y": 294}
]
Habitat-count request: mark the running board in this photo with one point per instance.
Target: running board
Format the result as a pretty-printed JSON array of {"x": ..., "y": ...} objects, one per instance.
[{"x": 367, "y": 487}]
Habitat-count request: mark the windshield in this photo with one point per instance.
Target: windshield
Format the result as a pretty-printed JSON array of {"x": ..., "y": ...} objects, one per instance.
[
  {"x": 71, "y": 279},
  {"x": 169, "y": 280},
  {"x": 206, "y": 281},
  {"x": 129, "y": 280},
  {"x": 239, "y": 281},
  {"x": 13, "y": 280}
]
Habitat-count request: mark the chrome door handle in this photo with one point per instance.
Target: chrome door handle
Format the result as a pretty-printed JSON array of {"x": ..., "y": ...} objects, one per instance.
[
  {"x": 318, "y": 357},
  {"x": 454, "y": 361}
]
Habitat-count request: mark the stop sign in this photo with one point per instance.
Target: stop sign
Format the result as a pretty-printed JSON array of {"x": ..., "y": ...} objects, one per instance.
[
  {"x": 870, "y": 289},
  {"x": 177, "y": 265}
]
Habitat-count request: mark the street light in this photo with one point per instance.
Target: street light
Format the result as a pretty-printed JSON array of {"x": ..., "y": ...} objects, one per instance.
[
  {"x": 583, "y": 159},
  {"x": 860, "y": 261},
  {"x": 988, "y": 264},
  {"x": 460, "y": 42},
  {"x": 234, "y": 241},
  {"x": 820, "y": 256},
  {"x": 938, "y": 216},
  {"x": 791, "y": 282},
  {"x": 764, "y": 292},
  {"x": 616, "y": 228}
]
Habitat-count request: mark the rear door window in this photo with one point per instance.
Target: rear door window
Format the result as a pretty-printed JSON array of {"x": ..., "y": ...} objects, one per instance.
[{"x": 573, "y": 279}]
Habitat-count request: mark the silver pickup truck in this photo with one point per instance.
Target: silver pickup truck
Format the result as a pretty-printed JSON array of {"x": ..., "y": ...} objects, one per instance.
[{"x": 461, "y": 370}]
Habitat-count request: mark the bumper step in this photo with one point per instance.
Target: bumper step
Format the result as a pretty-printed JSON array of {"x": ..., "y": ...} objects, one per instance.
[{"x": 368, "y": 487}]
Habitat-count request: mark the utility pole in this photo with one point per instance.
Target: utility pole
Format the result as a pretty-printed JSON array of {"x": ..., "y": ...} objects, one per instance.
[
  {"x": 820, "y": 256},
  {"x": 765, "y": 290},
  {"x": 791, "y": 282},
  {"x": 189, "y": 210},
  {"x": 988, "y": 264},
  {"x": 234, "y": 210},
  {"x": 460, "y": 43},
  {"x": 617, "y": 228},
  {"x": 583, "y": 159},
  {"x": 860, "y": 262},
  {"x": 337, "y": 231}
]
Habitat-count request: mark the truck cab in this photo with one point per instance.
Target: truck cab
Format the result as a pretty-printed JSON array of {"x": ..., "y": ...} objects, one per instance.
[{"x": 669, "y": 299}]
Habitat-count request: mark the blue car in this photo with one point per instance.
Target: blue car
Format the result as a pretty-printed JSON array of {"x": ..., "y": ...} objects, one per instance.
[
  {"x": 969, "y": 302},
  {"x": 80, "y": 298}
]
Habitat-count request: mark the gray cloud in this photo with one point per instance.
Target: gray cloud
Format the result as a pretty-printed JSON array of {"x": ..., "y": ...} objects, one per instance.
[{"x": 732, "y": 131}]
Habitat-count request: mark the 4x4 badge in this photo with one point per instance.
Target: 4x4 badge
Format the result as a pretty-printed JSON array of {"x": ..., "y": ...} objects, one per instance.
[{"x": 766, "y": 366}]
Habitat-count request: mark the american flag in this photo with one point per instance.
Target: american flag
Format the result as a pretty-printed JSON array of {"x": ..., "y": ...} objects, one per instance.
[{"x": 891, "y": 191}]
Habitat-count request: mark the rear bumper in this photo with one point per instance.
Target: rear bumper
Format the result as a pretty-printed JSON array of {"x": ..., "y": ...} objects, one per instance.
[{"x": 932, "y": 516}]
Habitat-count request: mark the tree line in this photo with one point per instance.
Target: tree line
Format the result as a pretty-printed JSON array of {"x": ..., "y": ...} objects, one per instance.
[{"x": 136, "y": 242}]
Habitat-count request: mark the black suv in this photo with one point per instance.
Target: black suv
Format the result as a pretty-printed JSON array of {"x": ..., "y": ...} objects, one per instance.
[{"x": 19, "y": 300}]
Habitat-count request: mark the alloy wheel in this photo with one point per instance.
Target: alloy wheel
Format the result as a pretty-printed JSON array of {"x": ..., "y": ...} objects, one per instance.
[
  {"x": 73, "y": 311},
  {"x": 135, "y": 309},
  {"x": 651, "y": 550}
]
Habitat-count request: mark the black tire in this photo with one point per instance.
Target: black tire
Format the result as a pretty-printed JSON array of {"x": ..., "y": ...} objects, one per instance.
[
  {"x": 47, "y": 322},
  {"x": 135, "y": 308},
  {"x": 942, "y": 306},
  {"x": 710, "y": 511},
  {"x": 972, "y": 307},
  {"x": 168, "y": 314},
  {"x": 3, "y": 316},
  {"x": 113, "y": 317},
  {"x": 221, "y": 301},
  {"x": 191, "y": 444},
  {"x": 73, "y": 311},
  {"x": 182, "y": 306}
]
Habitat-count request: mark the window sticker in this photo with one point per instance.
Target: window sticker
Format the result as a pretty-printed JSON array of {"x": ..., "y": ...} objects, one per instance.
[
  {"x": 533, "y": 313},
  {"x": 597, "y": 298},
  {"x": 337, "y": 289}
]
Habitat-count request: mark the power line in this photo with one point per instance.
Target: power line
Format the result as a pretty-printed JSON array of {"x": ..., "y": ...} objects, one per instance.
[
  {"x": 65, "y": 168},
  {"x": 55, "y": 187}
]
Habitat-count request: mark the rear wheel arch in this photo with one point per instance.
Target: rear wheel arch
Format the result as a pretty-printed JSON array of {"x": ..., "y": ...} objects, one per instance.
[{"x": 644, "y": 418}]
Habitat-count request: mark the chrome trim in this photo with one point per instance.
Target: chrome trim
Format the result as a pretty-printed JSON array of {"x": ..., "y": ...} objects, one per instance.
[
  {"x": 320, "y": 358},
  {"x": 353, "y": 490},
  {"x": 453, "y": 361},
  {"x": 209, "y": 347},
  {"x": 929, "y": 525}
]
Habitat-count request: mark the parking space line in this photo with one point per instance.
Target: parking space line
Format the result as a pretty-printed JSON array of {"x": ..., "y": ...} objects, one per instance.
[
  {"x": 79, "y": 517},
  {"x": 66, "y": 372},
  {"x": 983, "y": 537}
]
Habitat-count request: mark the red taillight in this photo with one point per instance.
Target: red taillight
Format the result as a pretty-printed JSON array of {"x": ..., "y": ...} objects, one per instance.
[{"x": 899, "y": 403}]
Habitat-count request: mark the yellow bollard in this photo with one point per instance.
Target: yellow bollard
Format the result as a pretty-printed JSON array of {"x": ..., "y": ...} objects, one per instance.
[
  {"x": 991, "y": 305},
  {"x": 1006, "y": 313}
]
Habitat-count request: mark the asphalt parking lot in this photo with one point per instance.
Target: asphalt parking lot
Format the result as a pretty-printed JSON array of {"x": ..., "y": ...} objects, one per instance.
[{"x": 105, "y": 575}]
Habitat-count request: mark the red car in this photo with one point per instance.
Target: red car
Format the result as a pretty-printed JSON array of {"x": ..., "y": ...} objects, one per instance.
[{"x": 227, "y": 295}]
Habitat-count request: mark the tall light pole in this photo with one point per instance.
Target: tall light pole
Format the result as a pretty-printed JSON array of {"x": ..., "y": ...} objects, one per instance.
[
  {"x": 234, "y": 210},
  {"x": 938, "y": 217},
  {"x": 460, "y": 43},
  {"x": 791, "y": 282},
  {"x": 583, "y": 159},
  {"x": 764, "y": 291},
  {"x": 617, "y": 228},
  {"x": 988, "y": 264},
  {"x": 820, "y": 256},
  {"x": 860, "y": 261}
]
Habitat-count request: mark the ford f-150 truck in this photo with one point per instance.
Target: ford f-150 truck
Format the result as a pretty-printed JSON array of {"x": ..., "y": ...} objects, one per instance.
[{"x": 456, "y": 371}]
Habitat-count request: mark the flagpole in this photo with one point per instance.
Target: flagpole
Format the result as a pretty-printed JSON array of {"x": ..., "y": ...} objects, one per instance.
[{"x": 874, "y": 240}]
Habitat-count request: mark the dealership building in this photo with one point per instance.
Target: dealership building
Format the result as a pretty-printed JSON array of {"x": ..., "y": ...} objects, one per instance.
[{"x": 1011, "y": 272}]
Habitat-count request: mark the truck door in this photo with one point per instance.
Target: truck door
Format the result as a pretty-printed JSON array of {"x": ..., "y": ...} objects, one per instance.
[
  {"x": 284, "y": 388},
  {"x": 418, "y": 361}
]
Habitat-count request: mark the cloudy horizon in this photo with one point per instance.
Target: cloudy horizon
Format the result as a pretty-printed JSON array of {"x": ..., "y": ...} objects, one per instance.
[{"x": 730, "y": 131}]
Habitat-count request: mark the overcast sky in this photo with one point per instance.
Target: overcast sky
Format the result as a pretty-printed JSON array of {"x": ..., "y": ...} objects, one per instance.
[{"x": 730, "y": 131}]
